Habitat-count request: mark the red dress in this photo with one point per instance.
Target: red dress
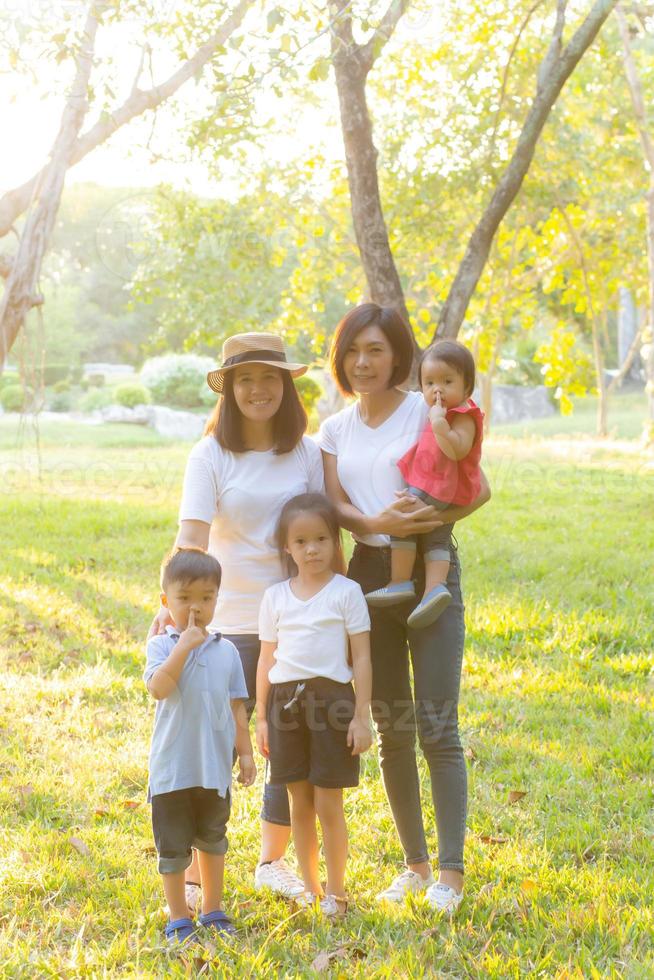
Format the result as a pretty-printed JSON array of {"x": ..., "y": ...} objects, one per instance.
[{"x": 451, "y": 481}]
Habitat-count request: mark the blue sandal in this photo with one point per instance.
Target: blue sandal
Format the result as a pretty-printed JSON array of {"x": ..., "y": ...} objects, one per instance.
[
  {"x": 427, "y": 612},
  {"x": 219, "y": 921},
  {"x": 180, "y": 932}
]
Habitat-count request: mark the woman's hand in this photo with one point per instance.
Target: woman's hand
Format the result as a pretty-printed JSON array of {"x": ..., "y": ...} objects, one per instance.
[
  {"x": 407, "y": 515},
  {"x": 261, "y": 730},
  {"x": 160, "y": 621},
  {"x": 247, "y": 770}
]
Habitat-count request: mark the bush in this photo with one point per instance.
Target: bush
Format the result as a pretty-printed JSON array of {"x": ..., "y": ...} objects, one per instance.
[
  {"x": 55, "y": 372},
  {"x": 129, "y": 394},
  {"x": 61, "y": 401},
  {"x": 309, "y": 391},
  {"x": 9, "y": 378},
  {"x": 94, "y": 399},
  {"x": 15, "y": 398},
  {"x": 61, "y": 386},
  {"x": 176, "y": 379}
]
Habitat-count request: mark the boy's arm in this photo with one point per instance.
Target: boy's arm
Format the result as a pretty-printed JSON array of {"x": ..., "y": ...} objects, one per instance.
[
  {"x": 247, "y": 768},
  {"x": 456, "y": 439},
  {"x": 359, "y": 735},
  {"x": 266, "y": 658},
  {"x": 166, "y": 677}
]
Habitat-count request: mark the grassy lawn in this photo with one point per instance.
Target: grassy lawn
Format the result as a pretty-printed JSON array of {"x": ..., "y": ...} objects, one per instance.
[{"x": 557, "y": 704}]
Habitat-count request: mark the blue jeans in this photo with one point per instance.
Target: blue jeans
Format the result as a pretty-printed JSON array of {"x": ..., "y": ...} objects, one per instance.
[
  {"x": 275, "y": 807},
  {"x": 431, "y": 709}
]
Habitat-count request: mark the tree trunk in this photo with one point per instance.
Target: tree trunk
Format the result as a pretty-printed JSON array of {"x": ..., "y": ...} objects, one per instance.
[
  {"x": 647, "y": 143},
  {"x": 555, "y": 70},
  {"x": 20, "y": 294},
  {"x": 352, "y": 63},
  {"x": 17, "y": 200}
]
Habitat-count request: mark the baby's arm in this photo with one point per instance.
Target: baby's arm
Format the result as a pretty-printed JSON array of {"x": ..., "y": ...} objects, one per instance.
[
  {"x": 266, "y": 658},
  {"x": 456, "y": 439},
  {"x": 359, "y": 735}
]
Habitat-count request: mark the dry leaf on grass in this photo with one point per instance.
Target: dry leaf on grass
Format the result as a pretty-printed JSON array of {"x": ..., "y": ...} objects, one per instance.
[
  {"x": 324, "y": 960},
  {"x": 79, "y": 846},
  {"x": 516, "y": 794},
  {"x": 493, "y": 840},
  {"x": 130, "y": 804}
]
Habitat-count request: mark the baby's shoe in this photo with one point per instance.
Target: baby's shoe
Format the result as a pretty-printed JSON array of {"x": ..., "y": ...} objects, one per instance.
[
  {"x": 429, "y": 609},
  {"x": 219, "y": 922},
  {"x": 180, "y": 932},
  {"x": 391, "y": 595}
]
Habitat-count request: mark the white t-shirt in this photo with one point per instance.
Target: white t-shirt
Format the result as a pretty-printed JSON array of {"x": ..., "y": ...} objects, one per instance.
[
  {"x": 367, "y": 458},
  {"x": 241, "y": 496},
  {"x": 311, "y": 634}
]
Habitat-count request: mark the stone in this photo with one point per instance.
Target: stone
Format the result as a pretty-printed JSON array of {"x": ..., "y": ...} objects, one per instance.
[
  {"x": 173, "y": 424},
  {"x": 513, "y": 403}
]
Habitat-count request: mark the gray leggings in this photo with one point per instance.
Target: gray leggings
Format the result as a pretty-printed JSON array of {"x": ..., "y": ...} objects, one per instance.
[{"x": 431, "y": 709}]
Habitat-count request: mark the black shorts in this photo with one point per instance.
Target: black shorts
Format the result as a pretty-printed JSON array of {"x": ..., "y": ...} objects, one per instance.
[
  {"x": 187, "y": 818},
  {"x": 307, "y": 733}
]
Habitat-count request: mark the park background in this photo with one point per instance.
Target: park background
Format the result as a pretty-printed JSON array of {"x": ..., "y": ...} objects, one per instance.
[{"x": 154, "y": 202}]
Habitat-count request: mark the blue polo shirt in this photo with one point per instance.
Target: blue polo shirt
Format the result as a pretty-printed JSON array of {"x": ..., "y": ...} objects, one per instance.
[{"x": 193, "y": 737}]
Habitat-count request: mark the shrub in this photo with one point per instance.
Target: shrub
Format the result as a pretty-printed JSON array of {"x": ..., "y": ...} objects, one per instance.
[
  {"x": 9, "y": 378},
  {"x": 61, "y": 401},
  {"x": 309, "y": 391},
  {"x": 94, "y": 399},
  {"x": 61, "y": 386},
  {"x": 130, "y": 394},
  {"x": 55, "y": 372},
  {"x": 15, "y": 398},
  {"x": 175, "y": 379}
]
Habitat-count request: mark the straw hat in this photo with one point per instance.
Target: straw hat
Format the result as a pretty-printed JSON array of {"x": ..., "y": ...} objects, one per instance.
[{"x": 253, "y": 348}]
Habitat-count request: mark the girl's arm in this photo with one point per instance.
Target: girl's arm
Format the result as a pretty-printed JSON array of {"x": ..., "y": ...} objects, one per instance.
[
  {"x": 266, "y": 658},
  {"x": 404, "y": 516},
  {"x": 455, "y": 440},
  {"x": 191, "y": 534},
  {"x": 359, "y": 735},
  {"x": 247, "y": 769}
]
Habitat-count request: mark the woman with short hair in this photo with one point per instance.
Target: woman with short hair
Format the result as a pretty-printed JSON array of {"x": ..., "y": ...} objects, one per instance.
[{"x": 371, "y": 355}]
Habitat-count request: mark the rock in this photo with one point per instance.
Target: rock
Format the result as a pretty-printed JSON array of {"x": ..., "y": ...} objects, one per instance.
[
  {"x": 174, "y": 424},
  {"x": 118, "y": 413},
  {"x": 513, "y": 403}
]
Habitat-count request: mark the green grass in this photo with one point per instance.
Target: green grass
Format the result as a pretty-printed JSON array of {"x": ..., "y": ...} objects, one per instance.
[{"x": 557, "y": 702}]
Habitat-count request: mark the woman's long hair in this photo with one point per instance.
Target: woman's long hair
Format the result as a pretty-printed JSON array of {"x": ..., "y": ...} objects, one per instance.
[{"x": 289, "y": 422}]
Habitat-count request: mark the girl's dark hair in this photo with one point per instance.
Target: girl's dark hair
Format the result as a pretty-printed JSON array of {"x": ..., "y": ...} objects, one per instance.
[
  {"x": 454, "y": 354},
  {"x": 308, "y": 503},
  {"x": 187, "y": 565},
  {"x": 289, "y": 421},
  {"x": 392, "y": 326}
]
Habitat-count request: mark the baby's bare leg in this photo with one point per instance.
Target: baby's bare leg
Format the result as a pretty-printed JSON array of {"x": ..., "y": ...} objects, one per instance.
[{"x": 402, "y": 562}]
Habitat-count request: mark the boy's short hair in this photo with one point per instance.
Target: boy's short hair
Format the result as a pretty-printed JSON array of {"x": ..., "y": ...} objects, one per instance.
[
  {"x": 456, "y": 356},
  {"x": 187, "y": 565}
]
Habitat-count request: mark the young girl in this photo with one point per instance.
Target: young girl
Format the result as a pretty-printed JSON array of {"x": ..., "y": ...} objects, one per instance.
[
  {"x": 442, "y": 469},
  {"x": 310, "y": 723}
]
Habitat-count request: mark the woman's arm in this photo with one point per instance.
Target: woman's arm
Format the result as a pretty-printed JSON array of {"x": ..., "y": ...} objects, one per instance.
[
  {"x": 266, "y": 658},
  {"x": 404, "y": 516},
  {"x": 452, "y": 514}
]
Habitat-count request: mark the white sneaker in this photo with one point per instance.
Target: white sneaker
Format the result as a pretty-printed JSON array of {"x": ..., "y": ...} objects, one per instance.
[
  {"x": 444, "y": 898},
  {"x": 333, "y": 907},
  {"x": 277, "y": 876},
  {"x": 405, "y": 883},
  {"x": 193, "y": 896}
]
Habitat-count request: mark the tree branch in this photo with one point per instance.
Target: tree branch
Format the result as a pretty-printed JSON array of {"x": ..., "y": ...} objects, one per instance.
[
  {"x": 15, "y": 201},
  {"x": 549, "y": 86},
  {"x": 371, "y": 50}
]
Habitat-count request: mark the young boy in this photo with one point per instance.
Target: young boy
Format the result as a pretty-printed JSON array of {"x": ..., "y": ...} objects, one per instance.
[{"x": 197, "y": 681}]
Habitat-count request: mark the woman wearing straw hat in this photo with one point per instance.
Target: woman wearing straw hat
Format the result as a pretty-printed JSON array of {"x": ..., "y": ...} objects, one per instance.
[{"x": 253, "y": 458}]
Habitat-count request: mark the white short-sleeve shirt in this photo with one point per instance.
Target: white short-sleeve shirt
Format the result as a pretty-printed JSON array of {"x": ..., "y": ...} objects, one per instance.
[
  {"x": 241, "y": 496},
  {"x": 366, "y": 458},
  {"x": 311, "y": 634}
]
